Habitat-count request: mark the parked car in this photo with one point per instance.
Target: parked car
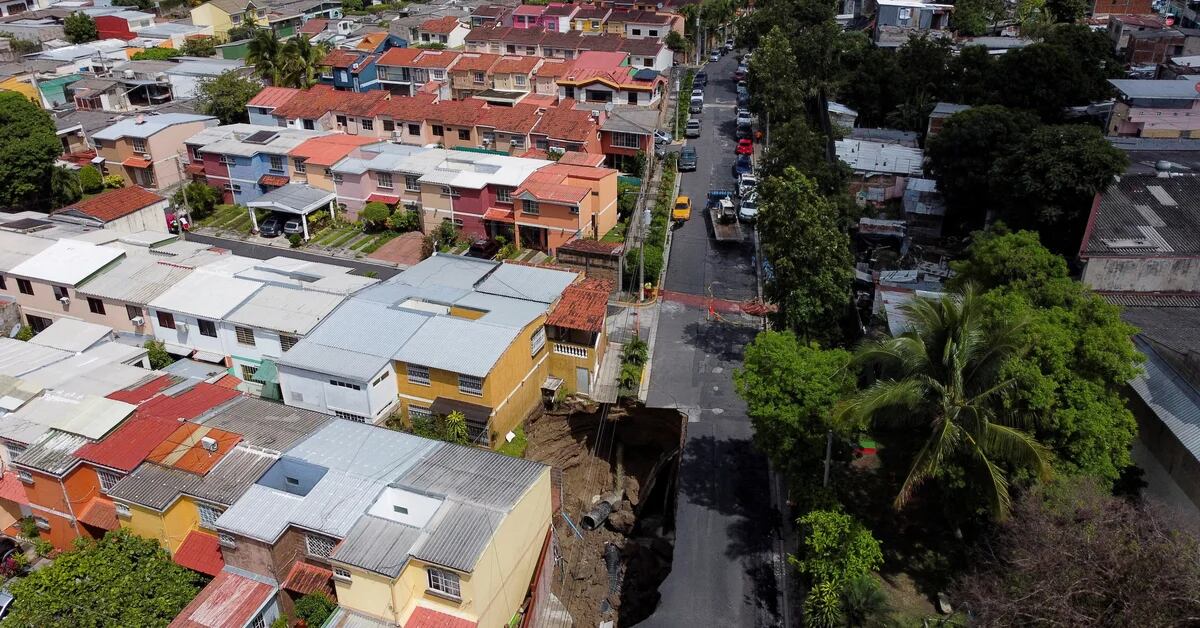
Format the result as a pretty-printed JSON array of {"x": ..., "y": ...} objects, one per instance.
[
  {"x": 271, "y": 227},
  {"x": 696, "y": 106},
  {"x": 6, "y": 602},
  {"x": 743, "y": 116},
  {"x": 682, "y": 210},
  {"x": 693, "y": 128},
  {"x": 739, "y": 73},
  {"x": 687, "y": 158},
  {"x": 743, "y": 99},
  {"x": 744, "y": 147},
  {"x": 662, "y": 137},
  {"x": 293, "y": 227},
  {"x": 748, "y": 209},
  {"x": 701, "y": 79},
  {"x": 697, "y": 93},
  {"x": 715, "y": 56},
  {"x": 746, "y": 184},
  {"x": 743, "y": 165},
  {"x": 729, "y": 44}
]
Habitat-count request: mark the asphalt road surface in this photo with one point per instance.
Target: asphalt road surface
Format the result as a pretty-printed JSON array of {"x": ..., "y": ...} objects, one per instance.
[{"x": 723, "y": 571}]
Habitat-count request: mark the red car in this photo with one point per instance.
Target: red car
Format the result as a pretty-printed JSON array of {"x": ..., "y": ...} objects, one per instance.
[{"x": 745, "y": 147}]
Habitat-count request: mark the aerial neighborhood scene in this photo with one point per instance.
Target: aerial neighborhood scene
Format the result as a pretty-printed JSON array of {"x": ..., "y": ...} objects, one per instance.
[{"x": 599, "y": 314}]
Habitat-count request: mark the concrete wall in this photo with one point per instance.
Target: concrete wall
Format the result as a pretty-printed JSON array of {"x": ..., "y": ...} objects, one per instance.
[
  {"x": 312, "y": 391},
  {"x": 189, "y": 337},
  {"x": 1142, "y": 274},
  {"x": 1179, "y": 462}
]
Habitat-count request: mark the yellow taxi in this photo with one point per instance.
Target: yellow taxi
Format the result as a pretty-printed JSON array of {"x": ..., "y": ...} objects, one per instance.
[{"x": 683, "y": 209}]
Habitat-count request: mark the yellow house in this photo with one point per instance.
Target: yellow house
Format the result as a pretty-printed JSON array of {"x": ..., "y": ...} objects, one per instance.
[
  {"x": 22, "y": 86},
  {"x": 590, "y": 19},
  {"x": 222, "y": 15}
]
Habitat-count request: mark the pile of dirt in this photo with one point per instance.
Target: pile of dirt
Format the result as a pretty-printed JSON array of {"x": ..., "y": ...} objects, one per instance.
[{"x": 612, "y": 572}]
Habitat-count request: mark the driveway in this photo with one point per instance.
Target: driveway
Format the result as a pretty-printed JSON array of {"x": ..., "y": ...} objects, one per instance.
[{"x": 724, "y": 565}]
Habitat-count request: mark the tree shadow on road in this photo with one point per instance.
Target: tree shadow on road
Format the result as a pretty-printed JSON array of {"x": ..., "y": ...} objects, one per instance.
[{"x": 724, "y": 340}]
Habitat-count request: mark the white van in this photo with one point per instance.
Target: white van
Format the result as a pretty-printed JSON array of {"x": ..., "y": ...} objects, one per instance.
[{"x": 696, "y": 105}]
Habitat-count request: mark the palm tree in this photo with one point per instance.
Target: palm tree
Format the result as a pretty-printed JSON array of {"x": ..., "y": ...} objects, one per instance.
[
  {"x": 266, "y": 55},
  {"x": 943, "y": 376},
  {"x": 302, "y": 62}
]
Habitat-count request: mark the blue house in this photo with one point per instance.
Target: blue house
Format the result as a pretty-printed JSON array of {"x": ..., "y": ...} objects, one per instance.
[
  {"x": 354, "y": 70},
  {"x": 246, "y": 161}
]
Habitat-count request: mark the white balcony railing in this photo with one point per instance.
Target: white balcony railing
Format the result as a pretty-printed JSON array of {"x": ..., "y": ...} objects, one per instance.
[{"x": 571, "y": 350}]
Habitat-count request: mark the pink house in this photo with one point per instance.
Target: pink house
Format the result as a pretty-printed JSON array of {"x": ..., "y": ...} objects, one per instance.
[
  {"x": 527, "y": 16},
  {"x": 557, "y": 17}
]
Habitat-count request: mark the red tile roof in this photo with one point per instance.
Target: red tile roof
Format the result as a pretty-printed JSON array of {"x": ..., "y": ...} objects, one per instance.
[
  {"x": 200, "y": 552},
  {"x": 499, "y": 213},
  {"x": 516, "y": 65},
  {"x": 100, "y": 513},
  {"x": 405, "y": 108},
  {"x": 327, "y": 150},
  {"x": 516, "y": 119},
  {"x": 435, "y": 59},
  {"x": 553, "y": 68},
  {"x": 274, "y": 96},
  {"x": 583, "y": 306},
  {"x": 387, "y": 199},
  {"x": 399, "y": 57},
  {"x": 154, "y": 421},
  {"x": 312, "y": 27},
  {"x": 340, "y": 58},
  {"x": 229, "y": 600},
  {"x": 137, "y": 162},
  {"x": 441, "y": 26},
  {"x": 576, "y": 158},
  {"x": 322, "y": 99},
  {"x": 564, "y": 123},
  {"x": 475, "y": 62},
  {"x": 596, "y": 247},
  {"x": 456, "y": 112},
  {"x": 115, "y": 204},
  {"x": 274, "y": 180},
  {"x": 138, "y": 394},
  {"x": 423, "y": 617},
  {"x": 12, "y": 488},
  {"x": 488, "y": 33},
  {"x": 228, "y": 381},
  {"x": 182, "y": 449},
  {"x": 304, "y": 578}
]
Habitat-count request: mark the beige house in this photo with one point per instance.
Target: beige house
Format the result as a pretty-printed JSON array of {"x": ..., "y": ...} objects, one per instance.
[
  {"x": 148, "y": 150},
  {"x": 46, "y": 282}
]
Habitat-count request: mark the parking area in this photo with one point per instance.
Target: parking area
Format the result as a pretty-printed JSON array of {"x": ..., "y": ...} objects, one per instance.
[{"x": 276, "y": 228}]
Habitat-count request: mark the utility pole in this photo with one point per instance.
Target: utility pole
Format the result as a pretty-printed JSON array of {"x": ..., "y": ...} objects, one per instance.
[
  {"x": 828, "y": 454},
  {"x": 699, "y": 47}
]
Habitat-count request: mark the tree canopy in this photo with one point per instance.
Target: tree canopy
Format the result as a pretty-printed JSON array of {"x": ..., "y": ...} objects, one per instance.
[
  {"x": 810, "y": 263},
  {"x": 226, "y": 95},
  {"x": 28, "y": 148},
  {"x": 156, "y": 54},
  {"x": 120, "y": 580},
  {"x": 80, "y": 28}
]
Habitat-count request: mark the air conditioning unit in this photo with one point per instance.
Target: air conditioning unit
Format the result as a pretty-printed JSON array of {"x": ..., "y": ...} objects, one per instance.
[
  {"x": 208, "y": 443},
  {"x": 137, "y": 321},
  {"x": 128, "y": 74},
  {"x": 64, "y": 300}
]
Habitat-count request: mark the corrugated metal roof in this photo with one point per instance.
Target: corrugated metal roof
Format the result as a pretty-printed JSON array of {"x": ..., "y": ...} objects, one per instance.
[
  {"x": 285, "y": 309},
  {"x": 266, "y": 424},
  {"x": 527, "y": 282},
  {"x": 201, "y": 552},
  {"x": 18, "y": 358},
  {"x": 205, "y": 294},
  {"x": 263, "y": 513},
  {"x": 867, "y": 156},
  {"x": 157, "y": 487},
  {"x": 72, "y": 335},
  {"x": 68, "y": 262},
  {"x": 345, "y": 618},
  {"x": 86, "y": 374},
  {"x": 473, "y": 475},
  {"x": 457, "y": 345},
  {"x": 377, "y": 545},
  {"x": 460, "y": 537},
  {"x": 84, "y": 415},
  {"x": 1172, "y": 399},
  {"x": 53, "y": 453},
  {"x": 348, "y": 342},
  {"x": 229, "y": 600},
  {"x": 364, "y": 450},
  {"x": 15, "y": 248},
  {"x": 137, "y": 279}
]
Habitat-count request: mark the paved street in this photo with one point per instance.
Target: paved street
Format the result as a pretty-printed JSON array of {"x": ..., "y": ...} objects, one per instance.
[{"x": 723, "y": 572}]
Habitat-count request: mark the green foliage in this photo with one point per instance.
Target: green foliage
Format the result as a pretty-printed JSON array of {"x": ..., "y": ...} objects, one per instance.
[
  {"x": 972, "y": 18},
  {"x": 121, "y": 580},
  {"x": 790, "y": 390},
  {"x": 80, "y": 28},
  {"x": 1081, "y": 355},
  {"x": 352, "y": 5},
  {"x": 157, "y": 354},
  {"x": 626, "y": 199},
  {"x": 156, "y": 54},
  {"x": 375, "y": 214},
  {"x": 516, "y": 447},
  {"x": 811, "y": 265},
  {"x": 404, "y": 220},
  {"x": 200, "y": 198},
  {"x": 681, "y": 116},
  {"x": 296, "y": 240},
  {"x": 1071, "y": 66},
  {"x": 280, "y": 622},
  {"x": 315, "y": 608},
  {"x": 25, "y": 334},
  {"x": 430, "y": 45},
  {"x": 451, "y": 428},
  {"x": 226, "y": 95},
  {"x": 864, "y": 602},
  {"x": 1067, "y": 11},
  {"x": 676, "y": 42},
  {"x": 141, "y": 5},
  {"x": 90, "y": 179},
  {"x": 797, "y": 144},
  {"x": 634, "y": 355},
  {"x": 265, "y": 53},
  {"x": 23, "y": 47},
  {"x": 29, "y": 527},
  {"x": 775, "y": 87},
  {"x": 42, "y": 547},
  {"x": 836, "y": 549},
  {"x": 64, "y": 186},
  {"x": 199, "y": 47},
  {"x": 302, "y": 62},
  {"x": 455, "y": 426},
  {"x": 28, "y": 147},
  {"x": 114, "y": 182},
  {"x": 823, "y": 607}
]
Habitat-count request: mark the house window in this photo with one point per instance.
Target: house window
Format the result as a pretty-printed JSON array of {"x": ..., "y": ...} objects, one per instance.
[
  {"x": 464, "y": 134},
  {"x": 637, "y": 31},
  {"x": 437, "y": 75},
  {"x": 446, "y": 191},
  {"x": 14, "y": 450},
  {"x": 108, "y": 479},
  {"x": 298, "y": 165},
  {"x": 444, "y": 583},
  {"x": 122, "y": 509},
  {"x": 340, "y": 384},
  {"x": 367, "y": 124},
  {"x": 437, "y": 130},
  {"x": 357, "y": 418},
  {"x": 530, "y": 50},
  {"x": 245, "y": 335},
  {"x": 228, "y": 161},
  {"x": 479, "y": 77},
  {"x": 489, "y": 137},
  {"x": 60, "y": 292},
  {"x": 166, "y": 320},
  {"x": 208, "y": 515},
  {"x": 504, "y": 195},
  {"x": 379, "y": 380},
  {"x": 25, "y": 476},
  {"x": 652, "y": 33},
  {"x": 139, "y": 145},
  {"x": 207, "y": 328},
  {"x": 574, "y": 210},
  {"x": 537, "y": 341},
  {"x": 337, "y": 177},
  {"x": 626, "y": 140},
  {"x": 470, "y": 385},
  {"x": 383, "y": 180},
  {"x": 226, "y": 540},
  {"x": 419, "y": 414},
  {"x": 276, "y": 163},
  {"x": 530, "y": 207},
  {"x": 517, "y": 142},
  {"x": 42, "y": 522},
  {"x": 341, "y": 574},
  {"x": 414, "y": 129},
  {"x": 510, "y": 49},
  {"x": 319, "y": 546},
  {"x": 418, "y": 374},
  {"x": 287, "y": 342},
  {"x": 133, "y": 311},
  {"x": 519, "y": 80},
  {"x": 309, "y": 124},
  {"x": 258, "y": 622},
  {"x": 412, "y": 183},
  {"x": 389, "y": 126},
  {"x": 595, "y": 24},
  {"x": 631, "y": 98},
  {"x": 3, "y": 283},
  {"x": 196, "y": 154},
  {"x": 96, "y": 306},
  {"x": 38, "y": 323},
  {"x": 341, "y": 120},
  {"x": 248, "y": 372}
]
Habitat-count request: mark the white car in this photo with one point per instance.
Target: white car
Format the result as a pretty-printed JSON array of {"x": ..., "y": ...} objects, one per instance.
[
  {"x": 743, "y": 117},
  {"x": 748, "y": 208},
  {"x": 716, "y": 56},
  {"x": 747, "y": 183},
  {"x": 662, "y": 137},
  {"x": 698, "y": 93}
]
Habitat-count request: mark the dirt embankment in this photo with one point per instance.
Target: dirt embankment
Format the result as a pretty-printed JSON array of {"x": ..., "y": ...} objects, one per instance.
[{"x": 629, "y": 450}]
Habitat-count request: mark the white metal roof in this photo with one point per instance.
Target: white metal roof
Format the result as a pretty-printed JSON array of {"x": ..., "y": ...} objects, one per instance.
[
  {"x": 72, "y": 335},
  {"x": 18, "y": 247},
  {"x": 206, "y": 294},
  {"x": 878, "y": 157},
  {"x": 286, "y": 310},
  {"x": 90, "y": 416},
  {"x": 68, "y": 262},
  {"x": 146, "y": 126}
]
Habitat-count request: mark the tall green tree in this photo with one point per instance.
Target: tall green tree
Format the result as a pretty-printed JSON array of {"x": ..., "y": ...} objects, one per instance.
[
  {"x": 943, "y": 378},
  {"x": 1069, "y": 67},
  {"x": 972, "y": 18},
  {"x": 811, "y": 265},
  {"x": 795, "y": 143},
  {"x": 28, "y": 148},
  {"x": 969, "y": 77},
  {"x": 790, "y": 389},
  {"x": 302, "y": 62},
  {"x": 120, "y": 580},
  {"x": 266, "y": 54},
  {"x": 64, "y": 186},
  {"x": 1080, "y": 355},
  {"x": 773, "y": 80},
  {"x": 226, "y": 95},
  {"x": 1067, "y": 11},
  {"x": 80, "y": 28}
]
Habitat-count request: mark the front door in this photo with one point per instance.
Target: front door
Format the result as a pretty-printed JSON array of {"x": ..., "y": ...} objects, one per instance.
[{"x": 583, "y": 380}]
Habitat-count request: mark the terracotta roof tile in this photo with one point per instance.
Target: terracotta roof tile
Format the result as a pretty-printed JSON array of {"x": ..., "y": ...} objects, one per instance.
[
  {"x": 314, "y": 26},
  {"x": 229, "y": 600},
  {"x": 516, "y": 65},
  {"x": 200, "y": 552},
  {"x": 101, "y": 513},
  {"x": 553, "y": 68},
  {"x": 564, "y": 123},
  {"x": 488, "y": 33},
  {"x": 476, "y": 61},
  {"x": 456, "y": 112},
  {"x": 597, "y": 247},
  {"x": 577, "y": 158},
  {"x": 274, "y": 180},
  {"x": 322, "y": 99},
  {"x": 183, "y": 449},
  {"x": 404, "y": 107},
  {"x": 525, "y": 36},
  {"x": 340, "y": 58},
  {"x": 440, "y": 26},
  {"x": 12, "y": 488},
  {"x": 305, "y": 578},
  {"x": 516, "y": 119},
  {"x": 115, "y": 204},
  {"x": 583, "y": 306},
  {"x": 435, "y": 59},
  {"x": 399, "y": 57},
  {"x": 327, "y": 150},
  {"x": 423, "y": 617}
]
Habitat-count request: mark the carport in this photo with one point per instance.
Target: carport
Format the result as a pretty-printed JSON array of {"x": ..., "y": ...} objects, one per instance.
[{"x": 297, "y": 199}]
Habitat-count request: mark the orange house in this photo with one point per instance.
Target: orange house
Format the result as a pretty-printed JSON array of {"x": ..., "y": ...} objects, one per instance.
[{"x": 561, "y": 202}]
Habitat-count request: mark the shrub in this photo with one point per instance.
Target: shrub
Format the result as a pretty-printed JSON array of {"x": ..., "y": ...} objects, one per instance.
[
  {"x": 43, "y": 547},
  {"x": 315, "y": 608},
  {"x": 114, "y": 181},
  {"x": 199, "y": 47},
  {"x": 156, "y": 54},
  {"x": 837, "y": 548},
  {"x": 296, "y": 240},
  {"x": 404, "y": 221},
  {"x": 156, "y": 352},
  {"x": 90, "y": 180},
  {"x": 375, "y": 214},
  {"x": 25, "y": 334},
  {"x": 29, "y": 528},
  {"x": 200, "y": 198}
]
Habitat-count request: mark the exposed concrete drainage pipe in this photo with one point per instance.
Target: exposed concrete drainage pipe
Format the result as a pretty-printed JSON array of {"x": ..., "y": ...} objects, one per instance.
[{"x": 600, "y": 512}]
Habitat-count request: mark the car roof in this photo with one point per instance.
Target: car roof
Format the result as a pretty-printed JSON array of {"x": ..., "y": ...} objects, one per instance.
[
  {"x": 689, "y": 150},
  {"x": 682, "y": 199}
]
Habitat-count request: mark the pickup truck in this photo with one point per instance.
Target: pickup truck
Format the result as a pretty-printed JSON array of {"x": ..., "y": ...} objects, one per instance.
[{"x": 721, "y": 210}]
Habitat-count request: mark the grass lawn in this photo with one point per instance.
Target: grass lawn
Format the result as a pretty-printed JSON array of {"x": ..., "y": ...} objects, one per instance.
[
  {"x": 378, "y": 241},
  {"x": 616, "y": 234},
  {"x": 516, "y": 448},
  {"x": 334, "y": 234},
  {"x": 343, "y": 238}
]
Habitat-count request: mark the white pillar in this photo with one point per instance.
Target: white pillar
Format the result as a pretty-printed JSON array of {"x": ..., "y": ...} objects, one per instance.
[
  {"x": 332, "y": 212},
  {"x": 304, "y": 223},
  {"x": 253, "y": 220}
]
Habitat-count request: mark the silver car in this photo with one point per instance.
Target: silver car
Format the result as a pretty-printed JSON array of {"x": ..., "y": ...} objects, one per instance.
[{"x": 692, "y": 129}]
